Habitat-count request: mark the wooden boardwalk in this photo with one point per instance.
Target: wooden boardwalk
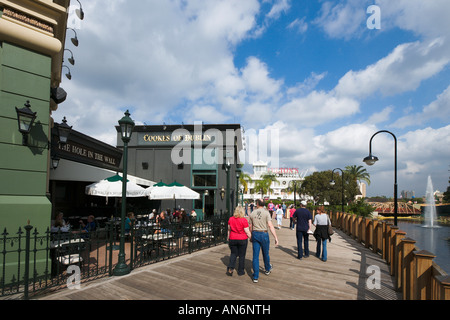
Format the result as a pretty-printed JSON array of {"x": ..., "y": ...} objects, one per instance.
[{"x": 201, "y": 276}]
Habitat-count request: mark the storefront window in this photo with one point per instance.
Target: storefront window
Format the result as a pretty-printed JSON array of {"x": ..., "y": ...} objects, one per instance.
[{"x": 204, "y": 180}]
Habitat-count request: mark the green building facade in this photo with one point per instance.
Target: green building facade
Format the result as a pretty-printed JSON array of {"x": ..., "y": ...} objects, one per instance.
[
  {"x": 25, "y": 76},
  {"x": 32, "y": 35}
]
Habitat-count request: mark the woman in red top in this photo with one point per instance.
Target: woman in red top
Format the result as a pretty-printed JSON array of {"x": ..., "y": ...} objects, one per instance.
[
  {"x": 238, "y": 235},
  {"x": 291, "y": 214}
]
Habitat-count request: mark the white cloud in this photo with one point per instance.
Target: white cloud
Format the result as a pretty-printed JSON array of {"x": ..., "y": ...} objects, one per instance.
[
  {"x": 425, "y": 18},
  {"x": 381, "y": 116},
  {"x": 438, "y": 109},
  {"x": 230, "y": 20},
  {"x": 300, "y": 25},
  {"x": 402, "y": 70},
  {"x": 278, "y": 8},
  {"x": 257, "y": 80},
  {"x": 347, "y": 19},
  {"x": 317, "y": 108},
  {"x": 307, "y": 85},
  {"x": 207, "y": 114},
  {"x": 342, "y": 20}
]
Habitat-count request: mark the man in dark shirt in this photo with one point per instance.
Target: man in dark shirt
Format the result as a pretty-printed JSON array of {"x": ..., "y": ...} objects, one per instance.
[{"x": 303, "y": 218}]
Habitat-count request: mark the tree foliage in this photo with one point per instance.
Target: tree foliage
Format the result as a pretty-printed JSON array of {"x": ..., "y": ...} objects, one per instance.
[
  {"x": 264, "y": 183},
  {"x": 446, "y": 198},
  {"x": 318, "y": 186},
  {"x": 244, "y": 180},
  {"x": 358, "y": 173},
  {"x": 360, "y": 208}
]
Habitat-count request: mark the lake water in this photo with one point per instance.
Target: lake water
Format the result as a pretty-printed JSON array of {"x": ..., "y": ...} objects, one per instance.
[{"x": 434, "y": 240}]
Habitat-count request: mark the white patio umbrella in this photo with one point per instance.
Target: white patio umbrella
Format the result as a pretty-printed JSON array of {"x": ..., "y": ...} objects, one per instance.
[
  {"x": 112, "y": 187},
  {"x": 182, "y": 192},
  {"x": 161, "y": 191}
]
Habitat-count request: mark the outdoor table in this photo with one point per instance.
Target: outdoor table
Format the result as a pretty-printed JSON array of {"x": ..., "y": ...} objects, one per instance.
[
  {"x": 59, "y": 244},
  {"x": 157, "y": 236},
  {"x": 144, "y": 224},
  {"x": 58, "y": 229},
  {"x": 201, "y": 229},
  {"x": 202, "y": 232},
  {"x": 154, "y": 240},
  {"x": 59, "y": 248}
]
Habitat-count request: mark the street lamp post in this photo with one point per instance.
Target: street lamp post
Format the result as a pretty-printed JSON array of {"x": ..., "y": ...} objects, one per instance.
[
  {"x": 332, "y": 183},
  {"x": 370, "y": 160},
  {"x": 295, "y": 193},
  {"x": 227, "y": 169},
  {"x": 205, "y": 193},
  {"x": 126, "y": 129},
  {"x": 238, "y": 174}
]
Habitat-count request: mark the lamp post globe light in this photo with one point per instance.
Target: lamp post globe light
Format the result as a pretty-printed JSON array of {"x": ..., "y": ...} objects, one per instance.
[
  {"x": 126, "y": 129},
  {"x": 370, "y": 160}
]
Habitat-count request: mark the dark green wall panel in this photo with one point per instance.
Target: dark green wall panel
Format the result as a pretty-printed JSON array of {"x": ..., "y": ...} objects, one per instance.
[
  {"x": 8, "y": 102},
  {"x": 24, "y": 158},
  {"x": 25, "y": 84},
  {"x": 21, "y": 59},
  {"x": 23, "y": 183}
]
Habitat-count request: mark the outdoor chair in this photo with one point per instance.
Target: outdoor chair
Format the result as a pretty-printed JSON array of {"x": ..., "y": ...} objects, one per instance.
[{"x": 70, "y": 254}]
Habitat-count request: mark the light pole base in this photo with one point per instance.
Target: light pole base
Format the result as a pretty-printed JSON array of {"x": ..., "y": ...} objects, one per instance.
[{"x": 121, "y": 269}]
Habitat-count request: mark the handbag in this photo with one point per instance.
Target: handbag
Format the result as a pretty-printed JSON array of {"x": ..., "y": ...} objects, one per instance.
[{"x": 330, "y": 228}]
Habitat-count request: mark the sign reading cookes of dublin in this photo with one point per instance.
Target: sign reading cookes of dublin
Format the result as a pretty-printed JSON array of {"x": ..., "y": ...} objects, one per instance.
[{"x": 164, "y": 138}]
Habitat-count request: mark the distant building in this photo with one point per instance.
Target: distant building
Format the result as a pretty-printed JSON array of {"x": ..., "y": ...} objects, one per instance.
[
  {"x": 362, "y": 191},
  {"x": 192, "y": 155},
  {"x": 278, "y": 188},
  {"x": 408, "y": 194}
]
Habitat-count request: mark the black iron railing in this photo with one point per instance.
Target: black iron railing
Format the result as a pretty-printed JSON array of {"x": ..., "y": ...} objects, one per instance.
[{"x": 33, "y": 263}]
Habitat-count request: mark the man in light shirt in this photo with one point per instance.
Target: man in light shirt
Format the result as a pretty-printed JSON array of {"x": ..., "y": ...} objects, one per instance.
[{"x": 260, "y": 224}]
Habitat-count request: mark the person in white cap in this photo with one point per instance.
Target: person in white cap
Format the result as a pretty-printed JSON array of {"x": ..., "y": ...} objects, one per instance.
[{"x": 303, "y": 218}]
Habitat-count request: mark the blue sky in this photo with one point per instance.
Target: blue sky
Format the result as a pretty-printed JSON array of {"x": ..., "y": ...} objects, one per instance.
[{"x": 310, "y": 71}]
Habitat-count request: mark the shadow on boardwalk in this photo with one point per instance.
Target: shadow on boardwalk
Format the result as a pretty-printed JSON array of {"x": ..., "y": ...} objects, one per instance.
[{"x": 201, "y": 276}]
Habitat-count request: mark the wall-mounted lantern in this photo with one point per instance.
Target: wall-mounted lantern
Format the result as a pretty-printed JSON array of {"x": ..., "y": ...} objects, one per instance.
[
  {"x": 64, "y": 131},
  {"x": 222, "y": 193},
  {"x": 25, "y": 118}
]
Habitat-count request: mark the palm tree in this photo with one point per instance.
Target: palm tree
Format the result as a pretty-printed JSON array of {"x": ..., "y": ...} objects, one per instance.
[
  {"x": 358, "y": 173},
  {"x": 264, "y": 183},
  {"x": 244, "y": 180},
  {"x": 294, "y": 186}
]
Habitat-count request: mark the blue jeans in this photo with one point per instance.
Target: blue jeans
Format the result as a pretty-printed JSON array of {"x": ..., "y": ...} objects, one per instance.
[
  {"x": 302, "y": 237},
  {"x": 324, "y": 249},
  {"x": 261, "y": 241}
]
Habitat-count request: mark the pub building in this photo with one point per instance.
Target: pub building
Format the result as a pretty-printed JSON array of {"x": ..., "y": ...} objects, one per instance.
[
  {"x": 203, "y": 157},
  {"x": 76, "y": 164}
]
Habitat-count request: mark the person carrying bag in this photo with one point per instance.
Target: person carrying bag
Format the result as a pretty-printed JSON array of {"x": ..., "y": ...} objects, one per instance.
[{"x": 322, "y": 233}]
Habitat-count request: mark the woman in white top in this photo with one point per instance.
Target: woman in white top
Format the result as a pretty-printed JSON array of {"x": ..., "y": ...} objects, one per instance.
[{"x": 321, "y": 222}]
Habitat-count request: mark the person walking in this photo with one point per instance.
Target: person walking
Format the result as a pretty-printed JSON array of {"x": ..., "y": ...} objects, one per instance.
[
  {"x": 303, "y": 218},
  {"x": 238, "y": 233},
  {"x": 260, "y": 224},
  {"x": 321, "y": 221},
  {"x": 279, "y": 214},
  {"x": 291, "y": 217}
]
